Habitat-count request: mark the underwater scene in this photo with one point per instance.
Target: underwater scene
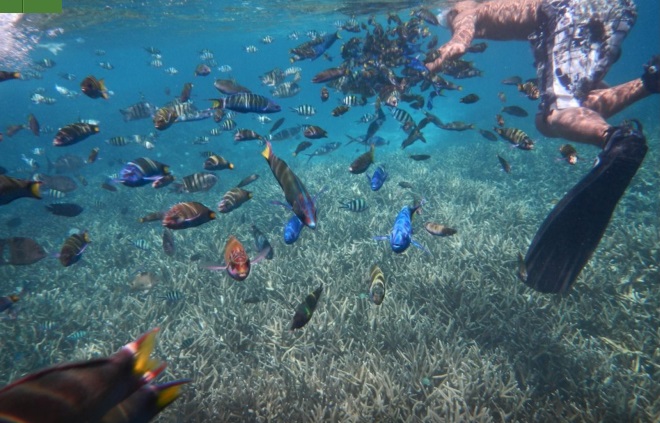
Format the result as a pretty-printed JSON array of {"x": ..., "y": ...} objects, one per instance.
[{"x": 320, "y": 229}]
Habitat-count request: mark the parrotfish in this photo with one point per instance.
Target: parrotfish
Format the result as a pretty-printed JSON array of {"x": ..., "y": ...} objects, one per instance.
[
  {"x": 107, "y": 390},
  {"x": 377, "y": 180},
  {"x": 401, "y": 236},
  {"x": 12, "y": 189},
  {"x": 292, "y": 229},
  {"x": 295, "y": 192}
]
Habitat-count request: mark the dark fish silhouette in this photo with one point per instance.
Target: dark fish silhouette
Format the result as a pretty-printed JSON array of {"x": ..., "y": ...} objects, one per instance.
[
  {"x": 505, "y": 165},
  {"x": 14, "y": 188},
  {"x": 305, "y": 309},
  {"x": 59, "y": 182},
  {"x": 248, "y": 180},
  {"x": 20, "y": 251},
  {"x": 515, "y": 111},
  {"x": 65, "y": 209},
  {"x": 168, "y": 242}
]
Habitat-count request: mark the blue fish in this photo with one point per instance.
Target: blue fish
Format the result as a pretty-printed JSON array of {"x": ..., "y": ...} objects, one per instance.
[
  {"x": 292, "y": 229},
  {"x": 416, "y": 64},
  {"x": 401, "y": 236},
  {"x": 328, "y": 41},
  {"x": 142, "y": 171},
  {"x": 377, "y": 179}
]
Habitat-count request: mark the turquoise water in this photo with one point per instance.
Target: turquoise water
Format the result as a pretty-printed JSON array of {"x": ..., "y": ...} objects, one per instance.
[{"x": 458, "y": 337}]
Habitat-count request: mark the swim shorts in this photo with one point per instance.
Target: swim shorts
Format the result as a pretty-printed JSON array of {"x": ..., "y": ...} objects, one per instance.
[{"x": 575, "y": 45}]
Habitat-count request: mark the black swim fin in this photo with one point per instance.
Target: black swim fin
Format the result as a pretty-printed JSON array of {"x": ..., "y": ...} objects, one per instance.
[{"x": 571, "y": 232}]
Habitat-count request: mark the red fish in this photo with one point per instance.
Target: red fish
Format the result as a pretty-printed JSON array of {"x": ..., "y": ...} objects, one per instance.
[
  {"x": 237, "y": 262},
  {"x": 97, "y": 390}
]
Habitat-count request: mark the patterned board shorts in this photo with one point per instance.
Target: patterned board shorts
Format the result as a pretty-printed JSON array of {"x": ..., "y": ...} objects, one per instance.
[{"x": 577, "y": 42}]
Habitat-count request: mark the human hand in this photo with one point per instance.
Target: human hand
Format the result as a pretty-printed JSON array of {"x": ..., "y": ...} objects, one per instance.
[{"x": 450, "y": 50}]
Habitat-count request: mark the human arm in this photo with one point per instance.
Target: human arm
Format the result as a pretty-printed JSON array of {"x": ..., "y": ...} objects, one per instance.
[{"x": 494, "y": 20}]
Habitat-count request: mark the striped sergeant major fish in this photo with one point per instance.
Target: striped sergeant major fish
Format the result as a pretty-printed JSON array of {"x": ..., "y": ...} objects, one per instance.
[
  {"x": 306, "y": 110},
  {"x": 173, "y": 296},
  {"x": 400, "y": 237},
  {"x": 285, "y": 89},
  {"x": 141, "y": 244},
  {"x": 246, "y": 103},
  {"x": 141, "y": 110},
  {"x": 356, "y": 205},
  {"x": 402, "y": 116},
  {"x": 285, "y": 133}
]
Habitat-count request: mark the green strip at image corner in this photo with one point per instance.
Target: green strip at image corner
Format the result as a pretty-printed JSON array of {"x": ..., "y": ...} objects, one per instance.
[
  {"x": 42, "y": 6},
  {"x": 11, "y": 6}
]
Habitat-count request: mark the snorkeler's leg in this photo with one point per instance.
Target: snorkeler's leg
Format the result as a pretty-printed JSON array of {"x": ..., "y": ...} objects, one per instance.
[
  {"x": 571, "y": 232},
  {"x": 578, "y": 124},
  {"x": 610, "y": 101}
]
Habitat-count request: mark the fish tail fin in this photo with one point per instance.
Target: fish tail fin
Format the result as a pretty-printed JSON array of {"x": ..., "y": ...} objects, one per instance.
[
  {"x": 217, "y": 103},
  {"x": 35, "y": 189},
  {"x": 268, "y": 151},
  {"x": 142, "y": 348},
  {"x": 168, "y": 392},
  {"x": 104, "y": 90}
]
